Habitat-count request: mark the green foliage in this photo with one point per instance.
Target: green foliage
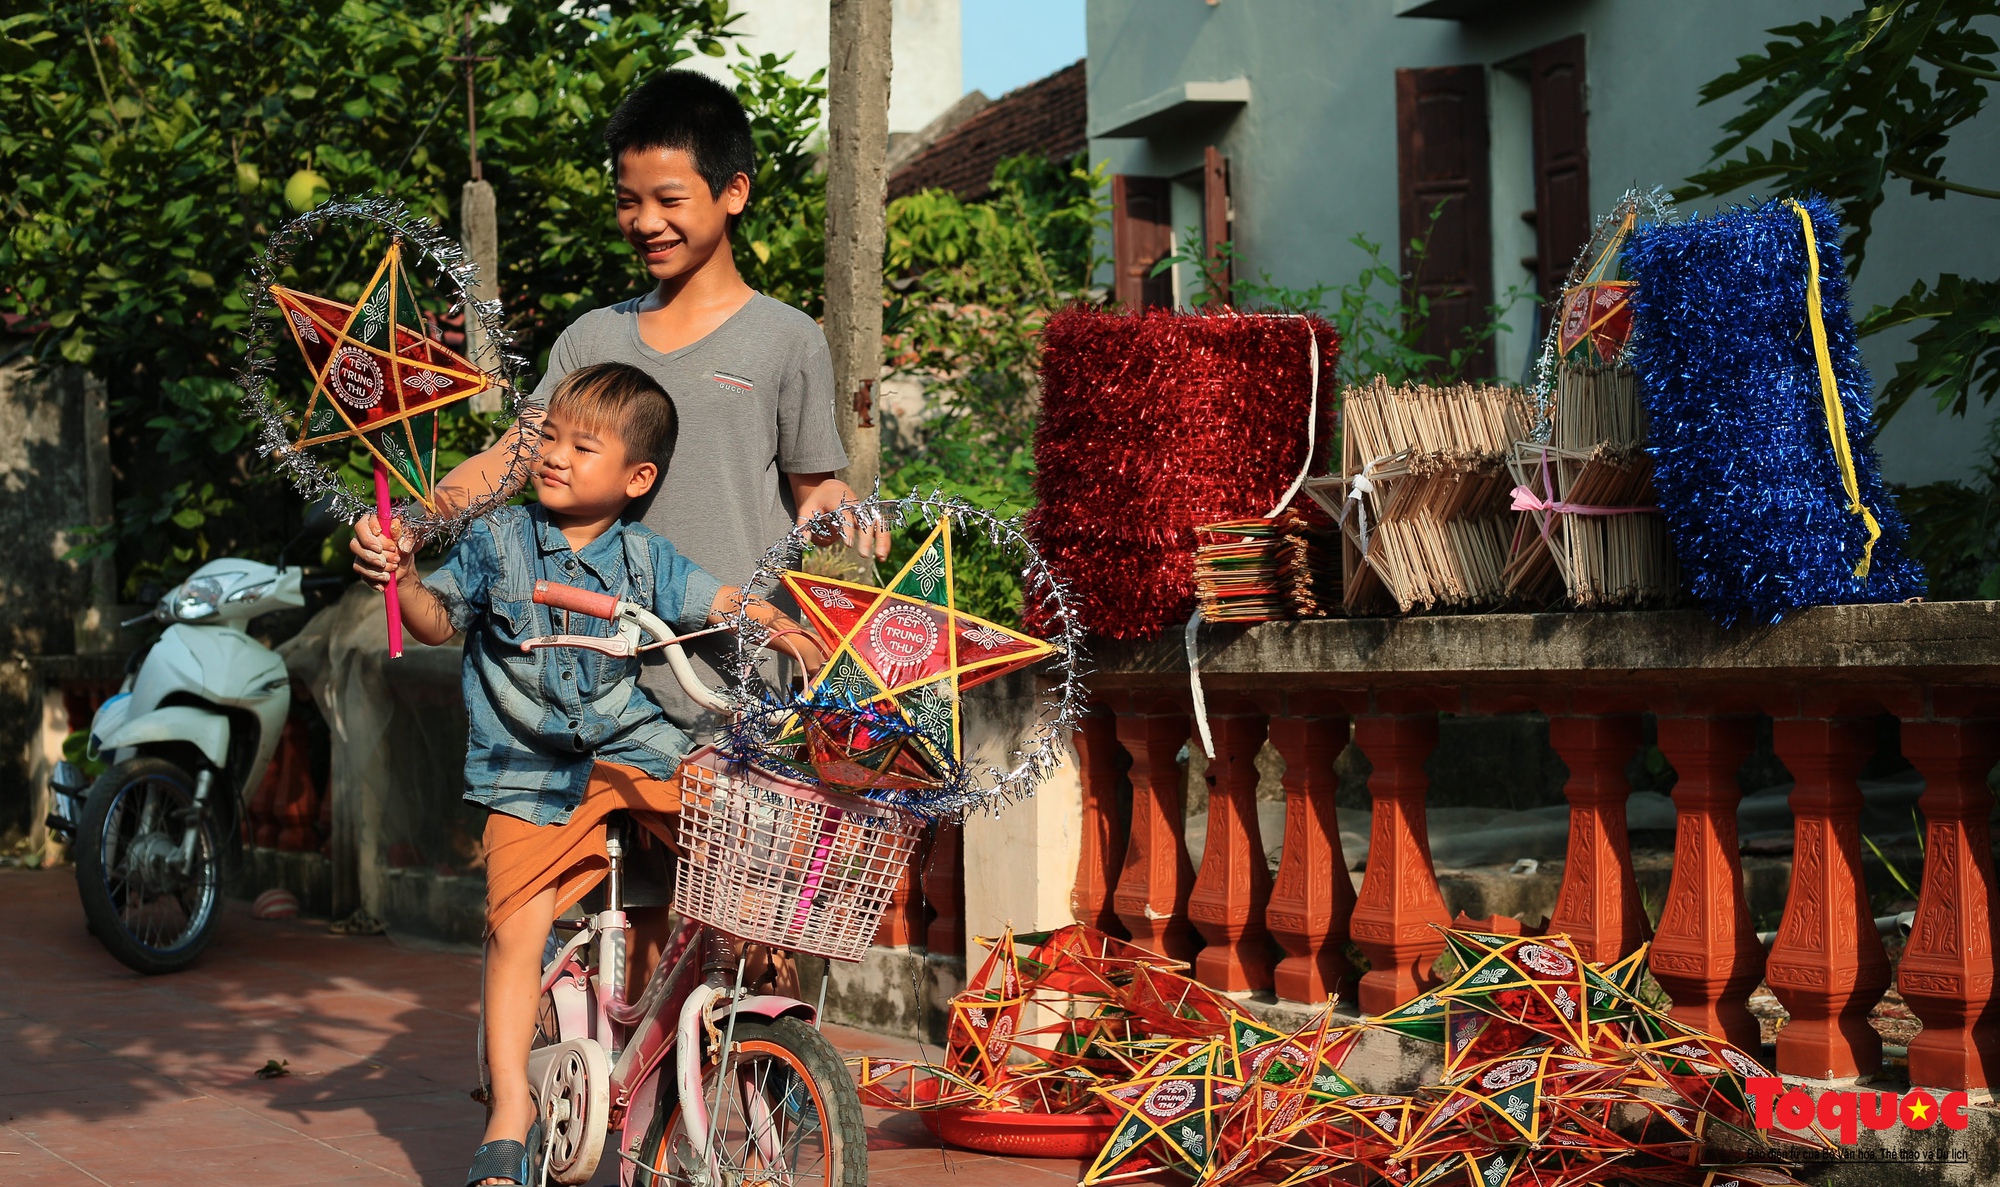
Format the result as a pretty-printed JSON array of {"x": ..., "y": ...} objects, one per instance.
[
  {"x": 147, "y": 149},
  {"x": 1958, "y": 353},
  {"x": 1381, "y": 319},
  {"x": 1867, "y": 100},
  {"x": 970, "y": 286},
  {"x": 1955, "y": 530}
]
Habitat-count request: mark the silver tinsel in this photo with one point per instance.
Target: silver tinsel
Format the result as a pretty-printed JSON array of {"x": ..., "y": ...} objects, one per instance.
[
  {"x": 983, "y": 786},
  {"x": 313, "y": 478},
  {"x": 1654, "y": 206}
]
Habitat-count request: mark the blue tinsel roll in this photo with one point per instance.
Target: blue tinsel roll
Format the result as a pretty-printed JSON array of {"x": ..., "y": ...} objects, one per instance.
[{"x": 1744, "y": 466}]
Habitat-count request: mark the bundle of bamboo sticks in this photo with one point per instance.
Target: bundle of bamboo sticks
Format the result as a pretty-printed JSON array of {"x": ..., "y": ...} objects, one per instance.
[
  {"x": 1595, "y": 459},
  {"x": 1424, "y": 495}
]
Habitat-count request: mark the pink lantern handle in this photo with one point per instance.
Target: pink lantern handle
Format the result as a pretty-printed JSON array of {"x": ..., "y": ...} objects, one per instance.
[{"x": 384, "y": 517}]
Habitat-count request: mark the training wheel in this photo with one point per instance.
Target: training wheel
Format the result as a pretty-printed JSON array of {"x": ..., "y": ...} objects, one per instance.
[{"x": 575, "y": 1100}]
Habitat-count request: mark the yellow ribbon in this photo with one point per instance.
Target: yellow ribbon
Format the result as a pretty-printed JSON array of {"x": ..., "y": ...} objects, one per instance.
[{"x": 1829, "y": 392}]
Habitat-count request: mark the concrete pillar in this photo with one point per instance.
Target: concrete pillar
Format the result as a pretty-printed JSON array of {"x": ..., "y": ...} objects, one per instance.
[
  {"x": 1021, "y": 858},
  {"x": 857, "y": 146},
  {"x": 479, "y": 220}
]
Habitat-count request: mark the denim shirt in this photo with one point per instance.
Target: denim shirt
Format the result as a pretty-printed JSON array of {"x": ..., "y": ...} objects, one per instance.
[{"x": 538, "y": 720}]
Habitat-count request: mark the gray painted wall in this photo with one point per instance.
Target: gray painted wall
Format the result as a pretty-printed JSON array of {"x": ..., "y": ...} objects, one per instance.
[{"x": 1313, "y": 155}]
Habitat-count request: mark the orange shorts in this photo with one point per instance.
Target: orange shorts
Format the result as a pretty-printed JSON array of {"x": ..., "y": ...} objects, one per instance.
[{"x": 524, "y": 859}]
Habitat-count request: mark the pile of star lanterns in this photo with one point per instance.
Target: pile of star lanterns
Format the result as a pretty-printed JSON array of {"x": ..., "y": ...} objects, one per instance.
[{"x": 1553, "y": 1074}]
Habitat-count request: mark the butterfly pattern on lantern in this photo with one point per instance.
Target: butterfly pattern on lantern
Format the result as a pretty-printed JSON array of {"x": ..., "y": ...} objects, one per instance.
[
  {"x": 905, "y": 650},
  {"x": 378, "y": 377}
]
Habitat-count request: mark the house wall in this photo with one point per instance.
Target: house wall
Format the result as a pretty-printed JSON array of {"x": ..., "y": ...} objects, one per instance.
[
  {"x": 1313, "y": 154},
  {"x": 927, "y": 74}
]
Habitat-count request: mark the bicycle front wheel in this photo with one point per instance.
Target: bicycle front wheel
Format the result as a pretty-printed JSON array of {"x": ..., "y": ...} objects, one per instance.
[{"x": 789, "y": 1115}]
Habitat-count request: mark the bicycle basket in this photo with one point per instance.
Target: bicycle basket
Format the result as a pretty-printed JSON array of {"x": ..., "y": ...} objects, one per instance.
[{"x": 775, "y": 861}]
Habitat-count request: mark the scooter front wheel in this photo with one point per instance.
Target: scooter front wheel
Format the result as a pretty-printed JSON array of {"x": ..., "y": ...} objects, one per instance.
[{"x": 150, "y": 890}]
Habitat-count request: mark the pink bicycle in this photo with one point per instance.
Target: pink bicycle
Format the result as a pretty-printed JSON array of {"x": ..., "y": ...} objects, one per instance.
[{"x": 702, "y": 1084}]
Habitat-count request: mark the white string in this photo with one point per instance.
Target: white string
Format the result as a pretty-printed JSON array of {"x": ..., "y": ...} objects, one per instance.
[
  {"x": 1312, "y": 427},
  {"x": 1291, "y": 492}
]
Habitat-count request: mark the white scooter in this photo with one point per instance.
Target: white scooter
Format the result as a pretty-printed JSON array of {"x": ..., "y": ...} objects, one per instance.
[{"x": 186, "y": 741}]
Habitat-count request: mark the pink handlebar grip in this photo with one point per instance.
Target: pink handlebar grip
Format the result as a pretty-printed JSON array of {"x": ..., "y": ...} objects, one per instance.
[
  {"x": 392, "y": 604},
  {"x": 578, "y": 601}
]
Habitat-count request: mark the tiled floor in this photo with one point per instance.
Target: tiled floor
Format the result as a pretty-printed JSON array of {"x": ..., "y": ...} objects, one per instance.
[{"x": 107, "y": 1077}]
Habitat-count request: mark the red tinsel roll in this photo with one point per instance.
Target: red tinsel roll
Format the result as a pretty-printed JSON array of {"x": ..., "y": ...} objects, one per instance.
[{"x": 1156, "y": 422}]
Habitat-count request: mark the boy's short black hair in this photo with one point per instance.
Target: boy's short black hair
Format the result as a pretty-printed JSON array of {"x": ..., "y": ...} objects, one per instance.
[
  {"x": 693, "y": 113},
  {"x": 623, "y": 400}
]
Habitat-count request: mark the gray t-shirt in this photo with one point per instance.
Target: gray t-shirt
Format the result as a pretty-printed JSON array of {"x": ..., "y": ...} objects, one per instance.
[{"x": 755, "y": 402}]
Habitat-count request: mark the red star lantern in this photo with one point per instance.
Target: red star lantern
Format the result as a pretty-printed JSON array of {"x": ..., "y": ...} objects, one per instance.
[
  {"x": 907, "y": 651},
  {"x": 378, "y": 377}
]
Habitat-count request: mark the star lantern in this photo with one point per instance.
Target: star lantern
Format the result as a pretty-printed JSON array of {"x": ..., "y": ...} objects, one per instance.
[
  {"x": 379, "y": 379},
  {"x": 901, "y": 655}
]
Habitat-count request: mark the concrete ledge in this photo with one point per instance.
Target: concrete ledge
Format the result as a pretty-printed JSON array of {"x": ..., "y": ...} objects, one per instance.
[
  {"x": 446, "y": 908},
  {"x": 1957, "y": 642},
  {"x": 1175, "y": 107},
  {"x": 307, "y": 875},
  {"x": 904, "y": 992}
]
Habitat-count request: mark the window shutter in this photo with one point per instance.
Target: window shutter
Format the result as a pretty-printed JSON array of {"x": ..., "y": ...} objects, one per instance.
[
  {"x": 1442, "y": 167},
  {"x": 1215, "y": 221},
  {"x": 1141, "y": 235},
  {"x": 1562, "y": 159}
]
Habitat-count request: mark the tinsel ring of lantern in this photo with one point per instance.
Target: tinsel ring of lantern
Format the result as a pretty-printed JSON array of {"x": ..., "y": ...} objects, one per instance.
[
  {"x": 356, "y": 378},
  {"x": 1760, "y": 416},
  {"x": 875, "y": 735},
  {"x": 1154, "y": 423}
]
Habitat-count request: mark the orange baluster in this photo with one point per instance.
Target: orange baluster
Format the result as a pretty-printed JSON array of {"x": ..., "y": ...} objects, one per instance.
[
  {"x": 1946, "y": 974},
  {"x": 1097, "y": 753},
  {"x": 1153, "y": 887},
  {"x": 1706, "y": 955},
  {"x": 261, "y": 825},
  {"x": 904, "y": 921},
  {"x": 1598, "y": 905},
  {"x": 298, "y": 801},
  {"x": 1313, "y": 897},
  {"x": 944, "y": 886},
  {"x": 1399, "y": 900},
  {"x": 1827, "y": 965},
  {"x": 1234, "y": 884}
]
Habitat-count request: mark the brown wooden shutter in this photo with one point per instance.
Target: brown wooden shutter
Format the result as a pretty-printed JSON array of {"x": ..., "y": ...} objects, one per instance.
[
  {"x": 1442, "y": 165},
  {"x": 1562, "y": 159},
  {"x": 1215, "y": 222},
  {"x": 1141, "y": 234}
]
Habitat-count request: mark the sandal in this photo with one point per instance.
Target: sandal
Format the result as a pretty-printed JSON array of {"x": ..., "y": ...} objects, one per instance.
[{"x": 506, "y": 1159}]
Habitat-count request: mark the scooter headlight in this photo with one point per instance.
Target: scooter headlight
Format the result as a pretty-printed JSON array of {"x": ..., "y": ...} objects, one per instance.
[
  {"x": 250, "y": 593},
  {"x": 197, "y": 599}
]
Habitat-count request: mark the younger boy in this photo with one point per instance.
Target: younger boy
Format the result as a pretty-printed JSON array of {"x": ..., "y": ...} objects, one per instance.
[{"x": 559, "y": 738}]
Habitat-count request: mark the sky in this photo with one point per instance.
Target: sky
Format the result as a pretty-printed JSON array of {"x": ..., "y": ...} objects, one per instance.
[{"x": 1010, "y": 43}]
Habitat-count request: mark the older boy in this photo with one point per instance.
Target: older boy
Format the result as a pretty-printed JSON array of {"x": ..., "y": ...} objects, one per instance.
[{"x": 751, "y": 376}]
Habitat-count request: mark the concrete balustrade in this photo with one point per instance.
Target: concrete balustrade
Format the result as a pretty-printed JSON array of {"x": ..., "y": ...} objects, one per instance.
[{"x": 1825, "y": 677}]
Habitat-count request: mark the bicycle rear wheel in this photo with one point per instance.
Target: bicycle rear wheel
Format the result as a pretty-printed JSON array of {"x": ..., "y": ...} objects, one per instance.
[{"x": 789, "y": 1115}]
